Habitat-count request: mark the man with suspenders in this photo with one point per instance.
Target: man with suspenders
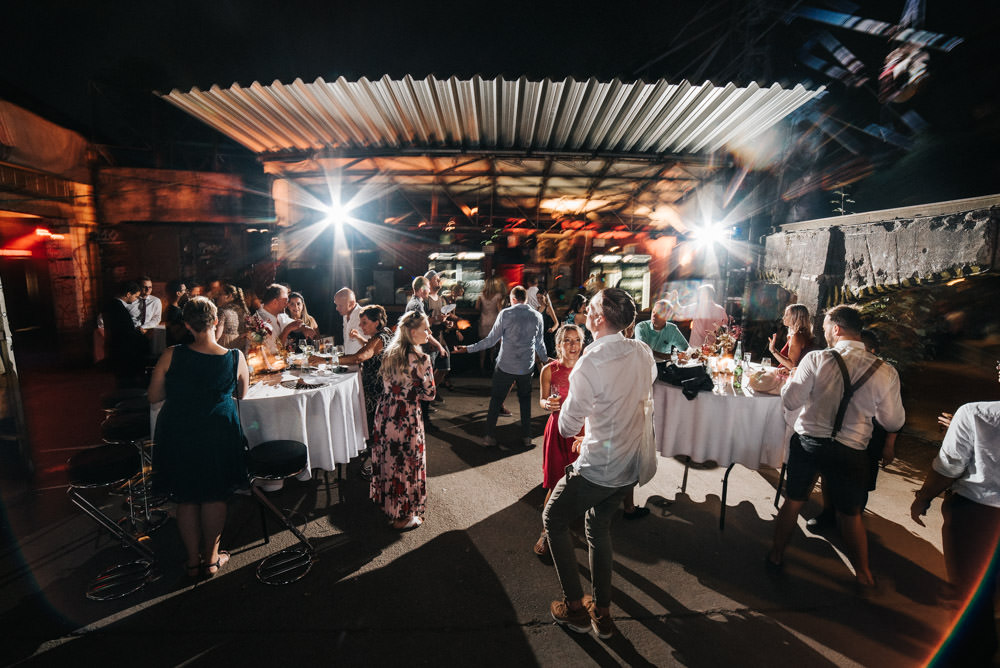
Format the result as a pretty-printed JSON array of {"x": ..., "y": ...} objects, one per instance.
[{"x": 839, "y": 390}]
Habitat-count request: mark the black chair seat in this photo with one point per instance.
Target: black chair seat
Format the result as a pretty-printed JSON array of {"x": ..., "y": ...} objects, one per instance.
[
  {"x": 112, "y": 399},
  {"x": 276, "y": 459},
  {"x": 110, "y": 464},
  {"x": 125, "y": 427}
]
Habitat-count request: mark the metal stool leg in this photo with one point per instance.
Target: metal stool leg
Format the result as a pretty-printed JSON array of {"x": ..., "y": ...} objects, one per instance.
[
  {"x": 290, "y": 564},
  {"x": 122, "y": 579}
]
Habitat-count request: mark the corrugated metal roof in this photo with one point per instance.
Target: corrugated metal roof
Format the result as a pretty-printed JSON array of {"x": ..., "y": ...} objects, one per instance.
[
  {"x": 632, "y": 146},
  {"x": 481, "y": 114}
]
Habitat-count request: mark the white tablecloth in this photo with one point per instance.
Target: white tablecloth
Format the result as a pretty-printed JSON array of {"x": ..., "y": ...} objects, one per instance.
[
  {"x": 330, "y": 420},
  {"x": 725, "y": 428}
]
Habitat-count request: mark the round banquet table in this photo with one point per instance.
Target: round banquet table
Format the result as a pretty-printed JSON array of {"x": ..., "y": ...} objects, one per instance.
[
  {"x": 329, "y": 419},
  {"x": 723, "y": 426},
  {"x": 727, "y": 428}
]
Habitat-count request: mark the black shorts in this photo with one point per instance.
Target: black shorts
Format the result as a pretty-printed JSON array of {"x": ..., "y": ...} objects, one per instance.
[{"x": 844, "y": 470}]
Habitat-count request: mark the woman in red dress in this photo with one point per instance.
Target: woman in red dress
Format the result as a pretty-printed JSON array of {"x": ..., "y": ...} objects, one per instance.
[{"x": 558, "y": 452}]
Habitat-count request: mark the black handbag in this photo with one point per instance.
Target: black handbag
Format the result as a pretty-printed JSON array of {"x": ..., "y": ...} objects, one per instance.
[{"x": 692, "y": 379}]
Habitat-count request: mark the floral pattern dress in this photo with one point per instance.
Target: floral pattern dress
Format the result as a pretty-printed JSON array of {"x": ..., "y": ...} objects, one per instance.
[{"x": 399, "y": 462}]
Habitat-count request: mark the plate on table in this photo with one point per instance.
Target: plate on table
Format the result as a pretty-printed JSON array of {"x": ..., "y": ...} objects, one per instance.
[
  {"x": 340, "y": 368},
  {"x": 299, "y": 384}
]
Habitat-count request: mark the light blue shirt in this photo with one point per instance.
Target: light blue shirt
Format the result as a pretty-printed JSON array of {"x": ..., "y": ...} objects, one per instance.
[
  {"x": 660, "y": 341},
  {"x": 519, "y": 330}
]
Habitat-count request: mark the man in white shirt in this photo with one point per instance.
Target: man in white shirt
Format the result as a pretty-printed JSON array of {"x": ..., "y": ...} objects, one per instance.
[
  {"x": 272, "y": 310},
  {"x": 607, "y": 391},
  {"x": 531, "y": 283},
  {"x": 705, "y": 316},
  {"x": 832, "y": 433},
  {"x": 349, "y": 309},
  {"x": 147, "y": 309},
  {"x": 968, "y": 467}
]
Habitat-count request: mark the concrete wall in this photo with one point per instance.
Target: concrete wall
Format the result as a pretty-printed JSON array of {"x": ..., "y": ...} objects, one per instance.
[{"x": 848, "y": 258}]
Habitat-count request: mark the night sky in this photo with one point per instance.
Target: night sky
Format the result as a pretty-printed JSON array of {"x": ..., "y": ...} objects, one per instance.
[{"x": 93, "y": 66}]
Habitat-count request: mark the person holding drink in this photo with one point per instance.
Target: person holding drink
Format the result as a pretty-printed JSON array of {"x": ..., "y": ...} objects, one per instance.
[{"x": 558, "y": 452}]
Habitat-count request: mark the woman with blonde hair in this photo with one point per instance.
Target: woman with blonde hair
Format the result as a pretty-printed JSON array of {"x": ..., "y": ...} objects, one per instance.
[
  {"x": 199, "y": 456},
  {"x": 558, "y": 452},
  {"x": 231, "y": 331},
  {"x": 399, "y": 462},
  {"x": 799, "y": 338}
]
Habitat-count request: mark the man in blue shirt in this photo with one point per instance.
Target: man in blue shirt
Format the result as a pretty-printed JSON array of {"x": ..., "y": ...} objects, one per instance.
[
  {"x": 659, "y": 333},
  {"x": 519, "y": 330}
]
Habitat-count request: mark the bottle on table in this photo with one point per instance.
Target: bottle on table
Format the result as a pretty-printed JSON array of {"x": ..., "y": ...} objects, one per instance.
[{"x": 738, "y": 374}]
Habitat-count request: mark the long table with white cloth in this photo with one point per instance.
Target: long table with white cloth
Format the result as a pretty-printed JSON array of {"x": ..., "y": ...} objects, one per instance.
[{"x": 724, "y": 426}]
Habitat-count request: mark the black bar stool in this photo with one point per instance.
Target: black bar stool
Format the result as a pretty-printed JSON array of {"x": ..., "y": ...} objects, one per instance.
[
  {"x": 278, "y": 460},
  {"x": 106, "y": 466},
  {"x": 111, "y": 399},
  {"x": 132, "y": 428}
]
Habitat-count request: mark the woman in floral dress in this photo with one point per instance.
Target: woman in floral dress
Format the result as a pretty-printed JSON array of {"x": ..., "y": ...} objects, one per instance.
[{"x": 399, "y": 479}]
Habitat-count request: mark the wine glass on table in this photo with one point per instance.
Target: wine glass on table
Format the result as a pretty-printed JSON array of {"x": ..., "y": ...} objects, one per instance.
[{"x": 308, "y": 348}]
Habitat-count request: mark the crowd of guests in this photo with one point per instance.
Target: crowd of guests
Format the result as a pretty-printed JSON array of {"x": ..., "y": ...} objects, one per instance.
[{"x": 844, "y": 399}]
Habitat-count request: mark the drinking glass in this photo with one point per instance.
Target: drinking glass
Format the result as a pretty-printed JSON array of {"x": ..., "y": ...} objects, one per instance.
[
  {"x": 746, "y": 360},
  {"x": 308, "y": 349},
  {"x": 765, "y": 362}
]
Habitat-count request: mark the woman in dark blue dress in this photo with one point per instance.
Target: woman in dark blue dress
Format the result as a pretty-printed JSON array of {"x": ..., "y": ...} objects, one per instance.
[{"x": 199, "y": 455}]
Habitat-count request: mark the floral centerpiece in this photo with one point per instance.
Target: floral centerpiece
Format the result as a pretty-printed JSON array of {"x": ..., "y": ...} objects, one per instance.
[
  {"x": 726, "y": 337},
  {"x": 258, "y": 329}
]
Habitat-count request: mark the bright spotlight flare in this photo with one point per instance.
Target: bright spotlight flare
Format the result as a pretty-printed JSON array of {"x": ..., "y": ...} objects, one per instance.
[
  {"x": 709, "y": 234},
  {"x": 334, "y": 214}
]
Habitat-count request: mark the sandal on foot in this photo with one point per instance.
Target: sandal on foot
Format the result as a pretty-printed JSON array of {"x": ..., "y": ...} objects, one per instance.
[
  {"x": 542, "y": 546},
  {"x": 217, "y": 565},
  {"x": 410, "y": 524}
]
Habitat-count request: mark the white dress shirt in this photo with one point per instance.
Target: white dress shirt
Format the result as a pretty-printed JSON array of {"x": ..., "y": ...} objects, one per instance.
[
  {"x": 971, "y": 452},
  {"x": 352, "y": 321},
  {"x": 278, "y": 323},
  {"x": 608, "y": 387},
  {"x": 818, "y": 386},
  {"x": 532, "y": 298},
  {"x": 154, "y": 311}
]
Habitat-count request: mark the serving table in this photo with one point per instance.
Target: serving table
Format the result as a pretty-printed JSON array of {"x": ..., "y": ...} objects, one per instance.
[{"x": 723, "y": 426}]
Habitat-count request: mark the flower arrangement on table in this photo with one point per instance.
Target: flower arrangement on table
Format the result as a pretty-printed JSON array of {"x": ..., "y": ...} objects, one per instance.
[
  {"x": 726, "y": 337},
  {"x": 258, "y": 329}
]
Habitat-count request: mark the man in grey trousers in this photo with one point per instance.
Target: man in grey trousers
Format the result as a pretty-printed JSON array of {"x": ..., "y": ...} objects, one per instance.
[{"x": 607, "y": 391}]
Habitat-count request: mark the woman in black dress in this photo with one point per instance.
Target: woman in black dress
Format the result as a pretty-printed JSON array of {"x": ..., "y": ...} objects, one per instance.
[{"x": 199, "y": 454}]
